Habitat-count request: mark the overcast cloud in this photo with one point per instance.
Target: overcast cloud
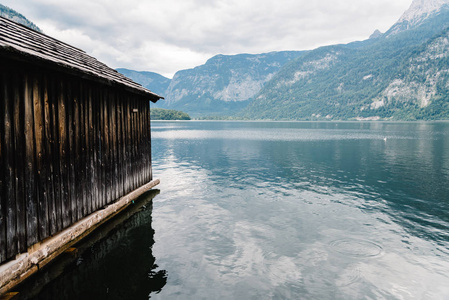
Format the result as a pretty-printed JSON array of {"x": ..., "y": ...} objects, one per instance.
[{"x": 165, "y": 36}]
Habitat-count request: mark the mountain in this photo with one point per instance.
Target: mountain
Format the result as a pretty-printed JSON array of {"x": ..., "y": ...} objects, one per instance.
[
  {"x": 11, "y": 14},
  {"x": 375, "y": 34},
  {"x": 154, "y": 82},
  {"x": 402, "y": 74},
  {"x": 224, "y": 84},
  {"x": 419, "y": 11}
]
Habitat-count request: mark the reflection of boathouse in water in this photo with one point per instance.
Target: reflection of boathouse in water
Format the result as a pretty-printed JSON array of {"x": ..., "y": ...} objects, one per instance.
[
  {"x": 75, "y": 147},
  {"x": 101, "y": 264}
]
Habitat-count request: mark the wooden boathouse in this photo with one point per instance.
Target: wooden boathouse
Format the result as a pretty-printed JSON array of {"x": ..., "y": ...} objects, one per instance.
[{"x": 75, "y": 139}]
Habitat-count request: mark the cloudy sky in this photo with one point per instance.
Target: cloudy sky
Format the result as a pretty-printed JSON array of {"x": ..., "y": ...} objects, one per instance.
[{"x": 165, "y": 36}]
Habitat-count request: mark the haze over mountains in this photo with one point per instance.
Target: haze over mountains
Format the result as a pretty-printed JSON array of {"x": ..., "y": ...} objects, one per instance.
[{"x": 400, "y": 75}]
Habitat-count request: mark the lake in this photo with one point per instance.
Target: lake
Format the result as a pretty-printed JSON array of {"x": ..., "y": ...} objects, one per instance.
[{"x": 277, "y": 210}]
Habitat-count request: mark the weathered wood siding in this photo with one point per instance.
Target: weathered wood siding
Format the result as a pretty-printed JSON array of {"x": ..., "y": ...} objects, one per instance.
[{"x": 69, "y": 146}]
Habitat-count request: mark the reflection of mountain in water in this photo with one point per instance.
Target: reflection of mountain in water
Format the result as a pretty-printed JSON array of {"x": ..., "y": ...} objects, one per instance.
[{"x": 115, "y": 262}]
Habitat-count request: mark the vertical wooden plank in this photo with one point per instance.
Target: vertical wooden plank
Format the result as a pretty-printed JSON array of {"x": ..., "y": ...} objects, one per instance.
[
  {"x": 49, "y": 145},
  {"x": 98, "y": 100},
  {"x": 41, "y": 168},
  {"x": 83, "y": 176},
  {"x": 19, "y": 154},
  {"x": 144, "y": 143},
  {"x": 77, "y": 155},
  {"x": 135, "y": 144},
  {"x": 148, "y": 148},
  {"x": 133, "y": 149},
  {"x": 31, "y": 197},
  {"x": 123, "y": 104},
  {"x": 71, "y": 101},
  {"x": 95, "y": 159},
  {"x": 56, "y": 91},
  {"x": 107, "y": 149},
  {"x": 9, "y": 174},
  {"x": 150, "y": 142},
  {"x": 110, "y": 167},
  {"x": 63, "y": 156},
  {"x": 129, "y": 157},
  {"x": 102, "y": 149},
  {"x": 90, "y": 160},
  {"x": 120, "y": 144},
  {"x": 83, "y": 153},
  {"x": 140, "y": 142},
  {"x": 114, "y": 169},
  {"x": 3, "y": 215},
  {"x": 125, "y": 144},
  {"x": 97, "y": 144},
  {"x": 93, "y": 129},
  {"x": 111, "y": 146},
  {"x": 146, "y": 127},
  {"x": 2, "y": 198},
  {"x": 146, "y": 140},
  {"x": 131, "y": 145}
]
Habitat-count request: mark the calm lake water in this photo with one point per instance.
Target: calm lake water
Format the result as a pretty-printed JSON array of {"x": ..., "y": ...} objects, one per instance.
[{"x": 277, "y": 210}]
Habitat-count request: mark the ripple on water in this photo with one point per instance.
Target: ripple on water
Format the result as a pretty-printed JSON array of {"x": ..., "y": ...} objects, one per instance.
[
  {"x": 348, "y": 276},
  {"x": 356, "y": 248}
]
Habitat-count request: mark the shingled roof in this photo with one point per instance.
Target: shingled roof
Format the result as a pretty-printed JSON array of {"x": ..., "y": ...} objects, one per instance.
[{"x": 21, "y": 40}]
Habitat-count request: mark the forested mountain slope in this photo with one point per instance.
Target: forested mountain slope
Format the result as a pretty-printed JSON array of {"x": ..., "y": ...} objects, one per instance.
[{"x": 402, "y": 74}]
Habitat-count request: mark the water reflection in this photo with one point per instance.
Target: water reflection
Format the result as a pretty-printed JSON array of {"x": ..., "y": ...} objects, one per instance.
[
  {"x": 263, "y": 210},
  {"x": 399, "y": 166},
  {"x": 114, "y": 262}
]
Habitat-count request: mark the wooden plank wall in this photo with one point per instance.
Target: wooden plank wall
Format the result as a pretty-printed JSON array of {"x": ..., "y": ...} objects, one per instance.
[{"x": 68, "y": 147}]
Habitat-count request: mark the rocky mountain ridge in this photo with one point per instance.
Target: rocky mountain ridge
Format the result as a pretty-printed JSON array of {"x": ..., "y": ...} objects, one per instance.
[
  {"x": 401, "y": 76},
  {"x": 419, "y": 12},
  {"x": 222, "y": 86}
]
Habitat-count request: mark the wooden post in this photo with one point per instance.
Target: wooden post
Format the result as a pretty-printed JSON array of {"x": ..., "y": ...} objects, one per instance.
[
  {"x": 30, "y": 178},
  {"x": 49, "y": 151},
  {"x": 63, "y": 156},
  {"x": 103, "y": 152},
  {"x": 99, "y": 147},
  {"x": 92, "y": 130},
  {"x": 83, "y": 156},
  {"x": 9, "y": 174},
  {"x": 115, "y": 146},
  {"x": 71, "y": 101},
  {"x": 112, "y": 161},
  {"x": 41, "y": 168},
  {"x": 3, "y": 102},
  {"x": 19, "y": 154},
  {"x": 119, "y": 116},
  {"x": 56, "y": 91},
  {"x": 129, "y": 156},
  {"x": 78, "y": 125}
]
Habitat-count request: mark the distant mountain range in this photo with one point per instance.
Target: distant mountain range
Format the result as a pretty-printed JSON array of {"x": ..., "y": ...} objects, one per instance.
[
  {"x": 13, "y": 15},
  {"x": 156, "y": 83},
  {"x": 222, "y": 86},
  {"x": 402, "y": 74}
]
